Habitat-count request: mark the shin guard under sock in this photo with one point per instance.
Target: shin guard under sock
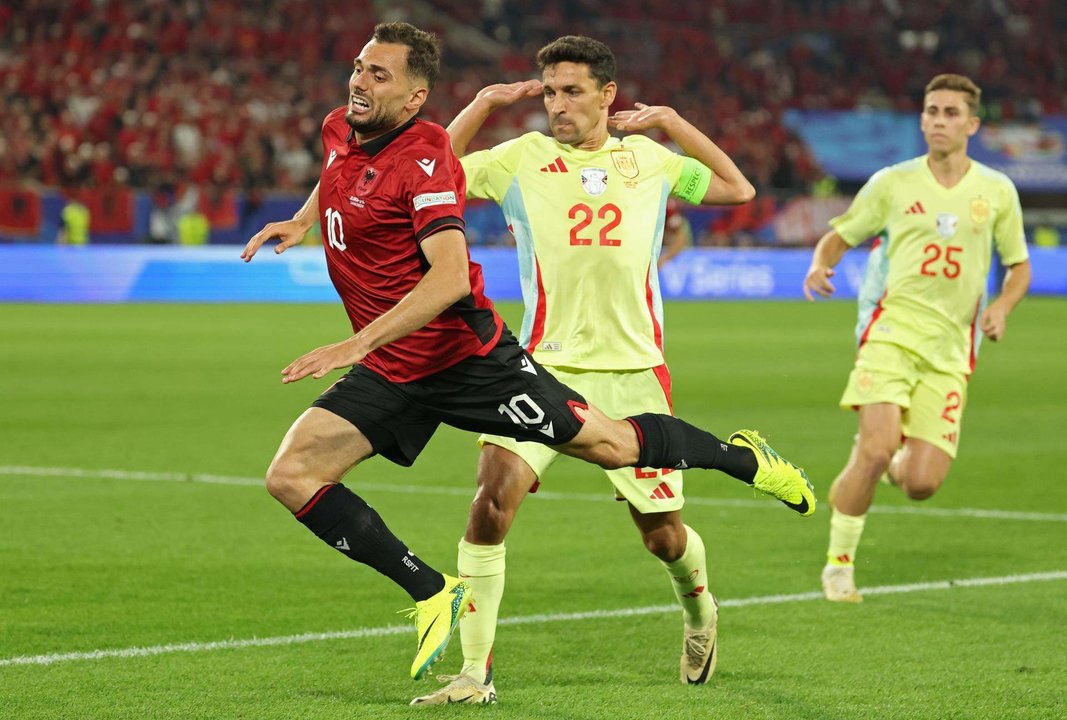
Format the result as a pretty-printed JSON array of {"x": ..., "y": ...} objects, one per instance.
[
  {"x": 667, "y": 442},
  {"x": 346, "y": 523}
]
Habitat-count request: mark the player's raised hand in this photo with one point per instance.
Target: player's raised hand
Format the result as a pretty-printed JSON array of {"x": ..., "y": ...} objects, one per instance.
[
  {"x": 504, "y": 94},
  {"x": 289, "y": 233},
  {"x": 994, "y": 321},
  {"x": 644, "y": 117},
  {"x": 818, "y": 281},
  {"x": 322, "y": 360}
]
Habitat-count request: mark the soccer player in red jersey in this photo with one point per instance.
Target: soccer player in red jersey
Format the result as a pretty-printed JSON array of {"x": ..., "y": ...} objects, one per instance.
[{"x": 428, "y": 346}]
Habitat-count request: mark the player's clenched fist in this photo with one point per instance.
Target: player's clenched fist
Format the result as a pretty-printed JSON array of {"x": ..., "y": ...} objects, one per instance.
[{"x": 994, "y": 321}]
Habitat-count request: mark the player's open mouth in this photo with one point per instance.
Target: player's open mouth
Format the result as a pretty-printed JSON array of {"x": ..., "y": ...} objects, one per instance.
[{"x": 358, "y": 104}]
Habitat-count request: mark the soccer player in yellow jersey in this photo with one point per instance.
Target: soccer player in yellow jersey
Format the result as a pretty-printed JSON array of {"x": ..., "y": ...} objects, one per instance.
[
  {"x": 923, "y": 308},
  {"x": 587, "y": 212}
]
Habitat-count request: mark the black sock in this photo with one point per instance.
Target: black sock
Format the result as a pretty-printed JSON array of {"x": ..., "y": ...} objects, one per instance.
[
  {"x": 346, "y": 523},
  {"x": 667, "y": 442}
]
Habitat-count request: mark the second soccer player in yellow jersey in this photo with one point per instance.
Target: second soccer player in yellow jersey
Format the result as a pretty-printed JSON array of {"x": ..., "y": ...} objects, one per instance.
[
  {"x": 587, "y": 213},
  {"x": 936, "y": 219}
]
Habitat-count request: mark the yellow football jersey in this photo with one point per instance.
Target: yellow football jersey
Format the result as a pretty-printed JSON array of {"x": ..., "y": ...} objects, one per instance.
[
  {"x": 928, "y": 274},
  {"x": 588, "y": 227}
]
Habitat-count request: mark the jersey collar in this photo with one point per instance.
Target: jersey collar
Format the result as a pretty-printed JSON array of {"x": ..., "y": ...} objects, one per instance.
[
  {"x": 611, "y": 144},
  {"x": 925, "y": 160},
  {"x": 375, "y": 146}
]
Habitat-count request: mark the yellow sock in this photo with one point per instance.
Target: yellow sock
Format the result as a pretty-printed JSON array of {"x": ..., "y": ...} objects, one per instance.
[
  {"x": 845, "y": 532},
  {"x": 483, "y": 567},
  {"x": 689, "y": 577}
]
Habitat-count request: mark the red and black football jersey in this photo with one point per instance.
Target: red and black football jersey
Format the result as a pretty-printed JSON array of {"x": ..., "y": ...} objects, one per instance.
[{"x": 377, "y": 203}]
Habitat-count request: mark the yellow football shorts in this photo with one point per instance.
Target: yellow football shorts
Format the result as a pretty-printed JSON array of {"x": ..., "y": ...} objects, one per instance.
[
  {"x": 932, "y": 400},
  {"x": 617, "y": 394}
]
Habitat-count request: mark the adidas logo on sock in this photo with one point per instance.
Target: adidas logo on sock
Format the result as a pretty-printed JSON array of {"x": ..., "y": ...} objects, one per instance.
[{"x": 696, "y": 591}]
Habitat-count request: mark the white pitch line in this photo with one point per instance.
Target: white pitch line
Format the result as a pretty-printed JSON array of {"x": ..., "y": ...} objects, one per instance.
[
  {"x": 14, "y": 471},
  {"x": 192, "y": 647}
]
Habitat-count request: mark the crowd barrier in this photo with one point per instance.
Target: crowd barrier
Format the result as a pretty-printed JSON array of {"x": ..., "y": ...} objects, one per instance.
[{"x": 115, "y": 274}]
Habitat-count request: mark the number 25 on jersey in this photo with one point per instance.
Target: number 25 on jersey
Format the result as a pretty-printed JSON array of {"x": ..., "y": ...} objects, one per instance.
[{"x": 933, "y": 265}]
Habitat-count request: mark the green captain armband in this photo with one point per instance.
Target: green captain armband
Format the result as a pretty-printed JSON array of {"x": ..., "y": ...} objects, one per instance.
[{"x": 693, "y": 181}]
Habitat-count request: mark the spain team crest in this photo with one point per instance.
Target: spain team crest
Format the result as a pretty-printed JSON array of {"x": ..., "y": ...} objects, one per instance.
[
  {"x": 979, "y": 211},
  {"x": 625, "y": 163},
  {"x": 594, "y": 180}
]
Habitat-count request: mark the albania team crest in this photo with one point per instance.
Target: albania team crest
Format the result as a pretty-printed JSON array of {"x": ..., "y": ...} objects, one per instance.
[
  {"x": 594, "y": 180},
  {"x": 370, "y": 175}
]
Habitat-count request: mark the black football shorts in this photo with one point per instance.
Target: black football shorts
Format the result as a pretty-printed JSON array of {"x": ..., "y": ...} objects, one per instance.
[{"x": 503, "y": 393}]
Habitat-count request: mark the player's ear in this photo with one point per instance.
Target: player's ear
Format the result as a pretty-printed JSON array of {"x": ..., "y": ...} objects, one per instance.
[
  {"x": 417, "y": 98},
  {"x": 973, "y": 123},
  {"x": 607, "y": 94}
]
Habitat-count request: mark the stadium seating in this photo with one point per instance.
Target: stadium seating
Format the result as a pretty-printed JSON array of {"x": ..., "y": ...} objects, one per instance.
[{"x": 219, "y": 95}]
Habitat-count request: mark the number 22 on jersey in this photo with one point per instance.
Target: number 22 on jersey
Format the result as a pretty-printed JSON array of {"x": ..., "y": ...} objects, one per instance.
[{"x": 609, "y": 213}]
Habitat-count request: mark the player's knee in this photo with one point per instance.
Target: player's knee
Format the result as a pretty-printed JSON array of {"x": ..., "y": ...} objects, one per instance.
[
  {"x": 609, "y": 444},
  {"x": 602, "y": 453},
  {"x": 874, "y": 458},
  {"x": 664, "y": 543},
  {"x": 919, "y": 487},
  {"x": 287, "y": 478},
  {"x": 613, "y": 452},
  {"x": 278, "y": 481},
  {"x": 489, "y": 521},
  {"x": 610, "y": 459}
]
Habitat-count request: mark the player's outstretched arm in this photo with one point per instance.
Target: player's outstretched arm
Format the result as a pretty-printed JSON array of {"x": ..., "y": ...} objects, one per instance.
[
  {"x": 728, "y": 187},
  {"x": 445, "y": 283},
  {"x": 471, "y": 118},
  {"x": 828, "y": 253},
  {"x": 289, "y": 232},
  {"x": 994, "y": 320}
]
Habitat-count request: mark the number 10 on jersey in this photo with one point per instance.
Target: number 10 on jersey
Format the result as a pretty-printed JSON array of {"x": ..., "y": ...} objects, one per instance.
[{"x": 335, "y": 231}]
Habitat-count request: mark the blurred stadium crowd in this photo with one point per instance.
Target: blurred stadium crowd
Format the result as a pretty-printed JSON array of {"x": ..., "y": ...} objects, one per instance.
[{"x": 224, "y": 95}]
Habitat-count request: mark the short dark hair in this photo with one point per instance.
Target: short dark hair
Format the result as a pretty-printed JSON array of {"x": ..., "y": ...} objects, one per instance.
[
  {"x": 424, "y": 49},
  {"x": 580, "y": 49},
  {"x": 958, "y": 83}
]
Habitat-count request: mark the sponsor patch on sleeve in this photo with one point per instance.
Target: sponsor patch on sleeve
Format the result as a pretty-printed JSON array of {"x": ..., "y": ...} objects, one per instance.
[{"x": 430, "y": 199}]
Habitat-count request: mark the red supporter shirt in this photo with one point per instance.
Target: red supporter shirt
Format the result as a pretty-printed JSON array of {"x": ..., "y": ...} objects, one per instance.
[{"x": 377, "y": 203}]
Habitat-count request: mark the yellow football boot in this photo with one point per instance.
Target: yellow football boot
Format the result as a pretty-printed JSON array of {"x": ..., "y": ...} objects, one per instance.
[{"x": 777, "y": 476}]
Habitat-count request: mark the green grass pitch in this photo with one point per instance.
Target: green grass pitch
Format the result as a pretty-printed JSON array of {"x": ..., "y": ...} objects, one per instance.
[{"x": 94, "y": 562}]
